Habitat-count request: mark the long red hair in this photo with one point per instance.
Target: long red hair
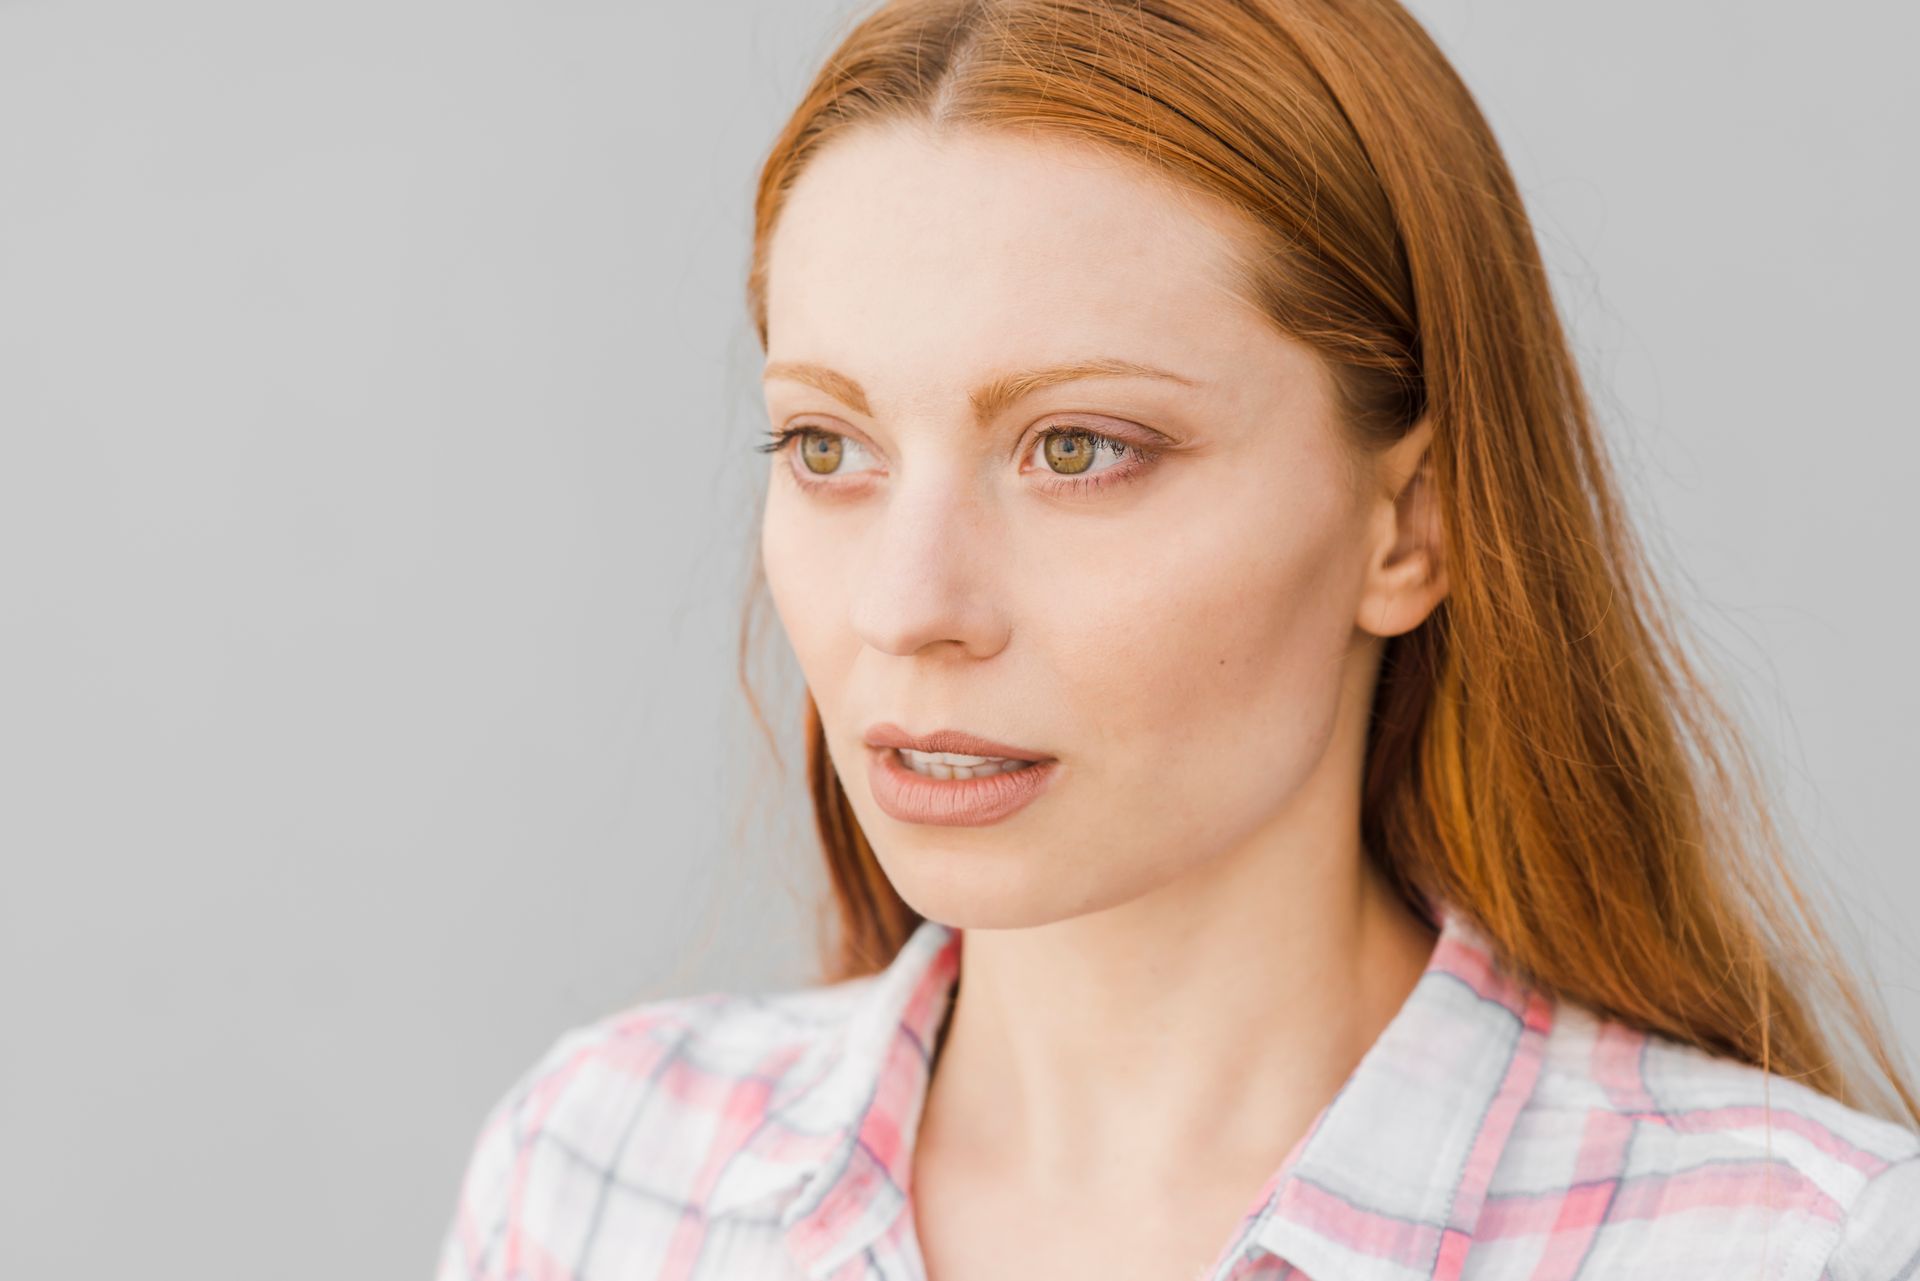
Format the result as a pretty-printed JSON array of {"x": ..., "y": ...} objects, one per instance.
[{"x": 1542, "y": 753}]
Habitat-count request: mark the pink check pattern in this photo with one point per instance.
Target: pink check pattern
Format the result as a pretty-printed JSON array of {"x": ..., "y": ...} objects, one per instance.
[{"x": 1490, "y": 1133}]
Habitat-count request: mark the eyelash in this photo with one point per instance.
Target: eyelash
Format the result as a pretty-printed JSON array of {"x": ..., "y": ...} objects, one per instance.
[{"x": 1140, "y": 459}]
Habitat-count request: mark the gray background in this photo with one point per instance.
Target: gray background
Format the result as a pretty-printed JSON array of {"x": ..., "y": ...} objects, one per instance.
[{"x": 376, "y": 504}]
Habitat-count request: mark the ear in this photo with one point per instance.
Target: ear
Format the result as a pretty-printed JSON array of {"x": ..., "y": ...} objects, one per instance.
[{"x": 1406, "y": 575}]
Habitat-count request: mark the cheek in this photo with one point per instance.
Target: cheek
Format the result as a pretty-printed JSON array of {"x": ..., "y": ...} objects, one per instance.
[
  {"x": 1218, "y": 636},
  {"x": 805, "y": 579}
]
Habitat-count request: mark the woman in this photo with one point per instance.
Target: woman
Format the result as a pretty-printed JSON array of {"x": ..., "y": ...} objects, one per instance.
[{"x": 1225, "y": 650}]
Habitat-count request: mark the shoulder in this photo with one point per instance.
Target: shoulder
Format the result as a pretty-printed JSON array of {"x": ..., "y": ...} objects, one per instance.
[
  {"x": 688, "y": 1055},
  {"x": 1684, "y": 1153},
  {"x": 652, "y": 1098}
]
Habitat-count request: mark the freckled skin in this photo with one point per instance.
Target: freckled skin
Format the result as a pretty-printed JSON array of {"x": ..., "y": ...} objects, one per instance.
[
  {"x": 1176, "y": 954},
  {"x": 953, "y": 592}
]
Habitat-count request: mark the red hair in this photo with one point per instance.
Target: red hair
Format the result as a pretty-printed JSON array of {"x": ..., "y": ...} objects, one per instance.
[{"x": 1542, "y": 752}]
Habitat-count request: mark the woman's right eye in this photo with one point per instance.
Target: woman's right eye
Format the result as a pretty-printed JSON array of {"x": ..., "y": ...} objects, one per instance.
[{"x": 821, "y": 452}]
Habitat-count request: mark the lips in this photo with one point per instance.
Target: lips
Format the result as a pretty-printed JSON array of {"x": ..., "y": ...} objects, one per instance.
[
  {"x": 908, "y": 797},
  {"x": 886, "y": 734}
]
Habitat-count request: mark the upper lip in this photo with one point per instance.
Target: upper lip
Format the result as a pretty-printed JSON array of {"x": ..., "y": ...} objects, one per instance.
[{"x": 887, "y": 734}]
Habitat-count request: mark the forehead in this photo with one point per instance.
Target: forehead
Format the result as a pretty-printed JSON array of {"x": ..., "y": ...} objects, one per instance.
[{"x": 1012, "y": 247}]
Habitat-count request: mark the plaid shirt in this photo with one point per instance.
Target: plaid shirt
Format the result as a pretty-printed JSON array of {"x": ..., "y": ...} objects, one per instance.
[{"x": 1489, "y": 1132}]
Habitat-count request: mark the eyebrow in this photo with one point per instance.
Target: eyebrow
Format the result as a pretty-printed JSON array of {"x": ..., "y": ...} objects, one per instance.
[{"x": 990, "y": 397}]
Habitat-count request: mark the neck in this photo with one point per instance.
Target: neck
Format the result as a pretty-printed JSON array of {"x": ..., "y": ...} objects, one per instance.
[{"x": 1194, "y": 1030}]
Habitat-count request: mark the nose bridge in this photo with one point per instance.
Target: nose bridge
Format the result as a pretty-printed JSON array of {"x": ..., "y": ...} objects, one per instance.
[{"x": 927, "y": 575}]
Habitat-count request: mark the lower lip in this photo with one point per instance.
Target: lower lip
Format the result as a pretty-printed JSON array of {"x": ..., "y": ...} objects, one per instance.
[{"x": 953, "y": 802}]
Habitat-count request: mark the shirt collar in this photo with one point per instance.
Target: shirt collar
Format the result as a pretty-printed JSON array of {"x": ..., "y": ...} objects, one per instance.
[
  {"x": 840, "y": 1142},
  {"x": 1385, "y": 1185},
  {"x": 1388, "y": 1182}
]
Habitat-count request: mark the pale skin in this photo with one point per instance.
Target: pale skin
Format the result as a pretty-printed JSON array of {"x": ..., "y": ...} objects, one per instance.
[{"x": 1174, "y": 958}]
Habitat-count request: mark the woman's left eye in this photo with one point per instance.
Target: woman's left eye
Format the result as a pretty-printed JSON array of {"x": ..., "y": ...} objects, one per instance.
[
  {"x": 1075, "y": 451},
  {"x": 1074, "y": 459}
]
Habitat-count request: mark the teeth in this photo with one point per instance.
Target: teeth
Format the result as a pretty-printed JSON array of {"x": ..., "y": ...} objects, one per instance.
[{"x": 957, "y": 764}]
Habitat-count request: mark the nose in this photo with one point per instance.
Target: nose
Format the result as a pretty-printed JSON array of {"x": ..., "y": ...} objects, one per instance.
[{"x": 926, "y": 579}]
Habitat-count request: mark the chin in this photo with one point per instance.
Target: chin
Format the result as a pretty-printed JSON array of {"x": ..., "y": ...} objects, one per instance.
[{"x": 993, "y": 888}]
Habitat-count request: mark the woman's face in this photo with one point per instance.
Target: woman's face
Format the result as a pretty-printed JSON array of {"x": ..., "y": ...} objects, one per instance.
[{"x": 1172, "y": 608}]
